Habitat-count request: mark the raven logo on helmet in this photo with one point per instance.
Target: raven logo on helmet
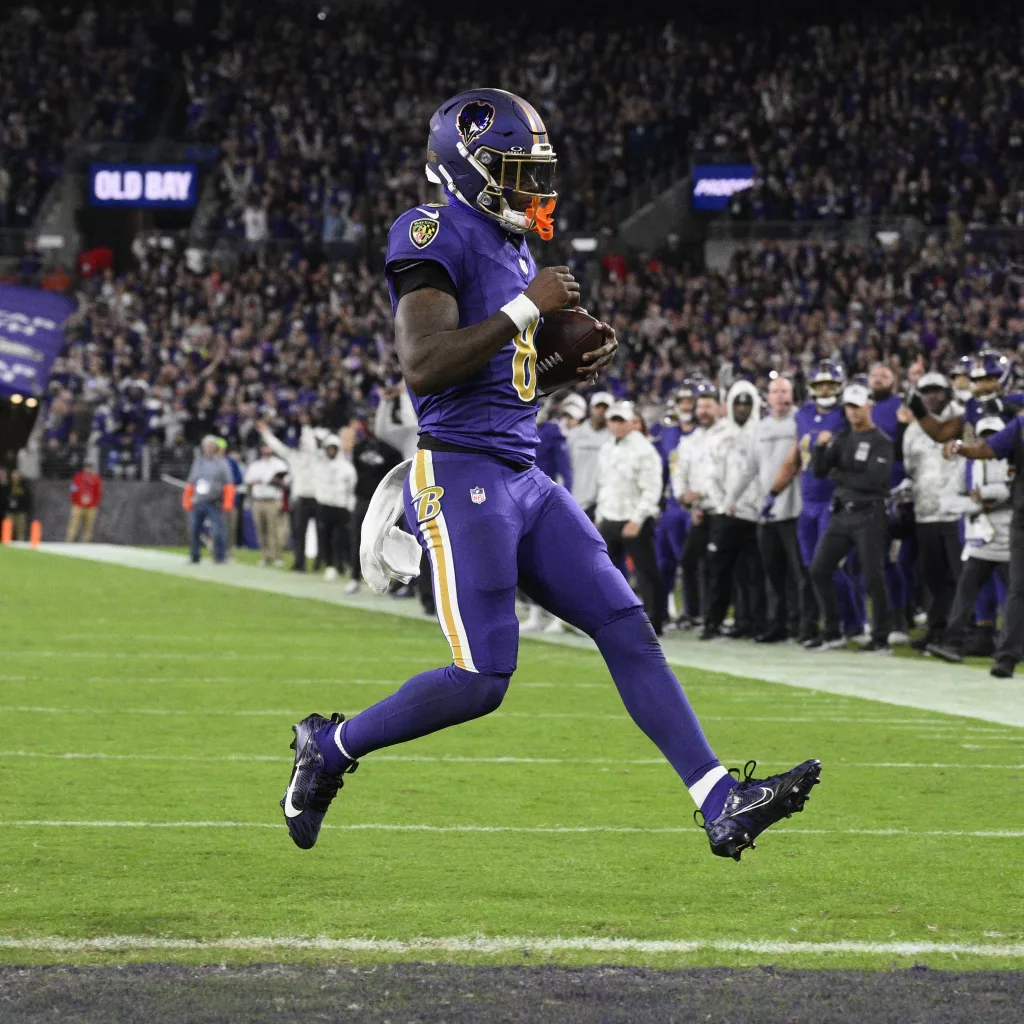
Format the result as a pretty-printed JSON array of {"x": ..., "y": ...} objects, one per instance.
[{"x": 474, "y": 119}]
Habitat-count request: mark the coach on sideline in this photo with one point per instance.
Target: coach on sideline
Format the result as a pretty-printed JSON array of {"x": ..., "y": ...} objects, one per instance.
[
  {"x": 629, "y": 485},
  {"x": 768, "y": 446},
  {"x": 1007, "y": 444},
  {"x": 860, "y": 461}
]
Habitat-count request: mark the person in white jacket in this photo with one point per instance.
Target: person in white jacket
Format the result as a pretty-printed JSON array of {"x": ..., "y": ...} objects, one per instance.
[
  {"x": 394, "y": 420},
  {"x": 935, "y": 523},
  {"x": 336, "y": 498},
  {"x": 691, "y": 484},
  {"x": 265, "y": 478},
  {"x": 768, "y": 445},
  {"x": 979, "y": 490},
  {"x": 734, "y": 562},
  {"x": 302, "y": 493},
  {"x": 629, "y": 485}
]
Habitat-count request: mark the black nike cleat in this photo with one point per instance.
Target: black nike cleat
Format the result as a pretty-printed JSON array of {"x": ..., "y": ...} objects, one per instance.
[
  {"x": 312, "y": 787},
  {"x": 755, "y": 804}
]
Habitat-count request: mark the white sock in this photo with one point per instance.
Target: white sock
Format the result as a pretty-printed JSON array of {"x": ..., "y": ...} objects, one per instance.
[
  {"x": 700, "y": 789},
  {"x": 344, "y": 752}
]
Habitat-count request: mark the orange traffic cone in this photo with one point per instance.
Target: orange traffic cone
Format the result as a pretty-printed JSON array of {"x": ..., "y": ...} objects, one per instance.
[
  {"x": 6, "y": 531},
  {"x": 35, "y": 533}
]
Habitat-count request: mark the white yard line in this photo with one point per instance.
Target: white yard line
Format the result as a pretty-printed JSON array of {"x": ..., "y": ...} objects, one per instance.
[
  {"x": 904, "y": 725},
  {"x": 926, "y": 684},
  {"x": 523, "y": 829},
  {"x": 496, "y": 945},
  {"x": 458, "y": 759}
]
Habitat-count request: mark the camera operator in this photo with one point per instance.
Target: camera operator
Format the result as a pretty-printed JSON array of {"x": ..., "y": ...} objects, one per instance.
[{"x": 859, "y": 460}]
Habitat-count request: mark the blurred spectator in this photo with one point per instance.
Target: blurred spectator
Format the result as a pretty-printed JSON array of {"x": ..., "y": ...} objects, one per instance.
[
  {"x": 302, "y": 492},
  {"x": 264, "y": 480},
  {"x": 86, "y": 496},
  {"x": 208, "y": 494},
  {"x": 585, "y": 443},
  {"x": 373, "y": 460},
  {"x": 335, "y": 481},
  {"x": 19, "y": 505},
  {"x": 629, "y": 486}
]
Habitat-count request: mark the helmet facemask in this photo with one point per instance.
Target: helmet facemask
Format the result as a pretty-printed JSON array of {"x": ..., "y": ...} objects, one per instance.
[
  {"x": 519, "y": 187},
  {"x": 825, "y": 392}
]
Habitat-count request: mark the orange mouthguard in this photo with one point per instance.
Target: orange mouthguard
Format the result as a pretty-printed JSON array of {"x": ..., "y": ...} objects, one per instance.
[{"x": 543, "y": 221}]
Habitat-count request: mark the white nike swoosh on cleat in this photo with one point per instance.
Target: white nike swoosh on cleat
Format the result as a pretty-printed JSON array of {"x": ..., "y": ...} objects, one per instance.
[
  {"x": 766, "y": 795},
  {"x": 290, "y": 810},
  {"x": 428, "y": 213}
]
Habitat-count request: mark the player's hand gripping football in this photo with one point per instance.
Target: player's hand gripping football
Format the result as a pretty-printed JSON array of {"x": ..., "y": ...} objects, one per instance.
[
  {"x": 552, "y": 289},
  {"x": 594, "y": 362}
]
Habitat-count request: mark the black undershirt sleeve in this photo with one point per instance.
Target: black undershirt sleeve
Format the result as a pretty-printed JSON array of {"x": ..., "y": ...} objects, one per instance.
[{"x": 409, "y": 275}]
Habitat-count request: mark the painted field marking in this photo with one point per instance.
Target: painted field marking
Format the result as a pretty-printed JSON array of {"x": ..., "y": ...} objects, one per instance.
[
  {"x": 496, "y": 945},
  {"x": 907, "y": 724},
  {"x": 522, "y": 829},
  {"x": 460, "y": 759}
]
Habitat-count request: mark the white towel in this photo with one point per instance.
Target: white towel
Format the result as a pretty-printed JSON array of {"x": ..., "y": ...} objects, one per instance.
[{"x": 387, "y": 553}]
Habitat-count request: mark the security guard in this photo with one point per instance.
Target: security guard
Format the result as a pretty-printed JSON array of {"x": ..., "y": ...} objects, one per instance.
[
  {"x": 1007, "y": 444},
  {"x": 860, "y": 461}
]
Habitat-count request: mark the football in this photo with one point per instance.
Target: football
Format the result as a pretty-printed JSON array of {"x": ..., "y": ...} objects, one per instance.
[{"x": 561, "y": 341}]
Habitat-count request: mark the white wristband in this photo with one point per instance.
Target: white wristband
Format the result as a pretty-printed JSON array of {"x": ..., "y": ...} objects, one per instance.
[{"x": 521, "y": 311}]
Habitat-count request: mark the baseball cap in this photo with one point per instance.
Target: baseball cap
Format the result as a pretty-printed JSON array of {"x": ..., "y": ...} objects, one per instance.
[
  {"x": 856, "y": 394},
  {"x": 989, "y": 423},
  {"x": 601, "y": 398},
  {"x": 931, "y": 380},
  {"x": 621, "y": 411},
  {"x": 574, "y": 406}
]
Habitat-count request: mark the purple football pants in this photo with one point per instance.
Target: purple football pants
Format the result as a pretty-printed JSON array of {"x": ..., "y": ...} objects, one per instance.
[
  {"x": 489, "y": 528},
  {"x": 810, "y": 527}
]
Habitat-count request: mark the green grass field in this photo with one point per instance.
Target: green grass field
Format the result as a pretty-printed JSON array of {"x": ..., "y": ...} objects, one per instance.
[{"x": 132, "y": 697}]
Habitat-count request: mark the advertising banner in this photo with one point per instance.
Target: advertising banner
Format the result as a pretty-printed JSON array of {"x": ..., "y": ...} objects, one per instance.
[
  {"x": 164, "y": 185},
  {"x": 715, "y": 184}
]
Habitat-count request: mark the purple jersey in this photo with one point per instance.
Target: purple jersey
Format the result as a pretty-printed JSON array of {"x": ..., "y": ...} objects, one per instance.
[
  {"x": 883, "y": 415},
  {"x": 810, "y": 422},
  {"x": 975, "y": 410},
  {"x": 495, "y": 410}
]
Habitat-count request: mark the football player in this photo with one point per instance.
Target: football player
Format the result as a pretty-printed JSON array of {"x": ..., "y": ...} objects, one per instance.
[
  {"x": 989, "y": 372},
  {"x": 823, "y": 412},
  {"x": 467, "y": 299}
]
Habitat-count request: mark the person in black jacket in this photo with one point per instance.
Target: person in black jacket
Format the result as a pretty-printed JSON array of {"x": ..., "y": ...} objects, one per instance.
[
  {"x": 373, "y": 459},
  {"x": 860, "y": 462}
]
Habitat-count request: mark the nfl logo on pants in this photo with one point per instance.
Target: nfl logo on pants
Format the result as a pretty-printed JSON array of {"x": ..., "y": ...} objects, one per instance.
[{"x": 478, "y": 495}]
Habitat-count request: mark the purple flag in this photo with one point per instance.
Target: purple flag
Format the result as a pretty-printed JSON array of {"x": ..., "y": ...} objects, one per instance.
[{"x": 31, "y": 336}]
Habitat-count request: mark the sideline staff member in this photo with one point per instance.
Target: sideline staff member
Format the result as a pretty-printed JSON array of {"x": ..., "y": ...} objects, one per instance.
[
  {"x": 860, "y": 461},
  {"x": 1007, "y": 444}
]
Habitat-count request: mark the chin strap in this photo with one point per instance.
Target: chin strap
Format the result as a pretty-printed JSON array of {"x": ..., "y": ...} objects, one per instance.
[{"x": 541, "y": 215}]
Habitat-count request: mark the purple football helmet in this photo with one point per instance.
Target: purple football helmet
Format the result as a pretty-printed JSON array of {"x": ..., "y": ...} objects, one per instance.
[
  {"x": 826, "y": 383},
  {"x": 490, "y": 150},
  {"x": 989, "y": 364}
]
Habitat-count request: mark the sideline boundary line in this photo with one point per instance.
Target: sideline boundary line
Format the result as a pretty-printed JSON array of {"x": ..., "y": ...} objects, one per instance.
[
  {"x": 496, "y": 945},
  {"x": 925, "y": 684}
]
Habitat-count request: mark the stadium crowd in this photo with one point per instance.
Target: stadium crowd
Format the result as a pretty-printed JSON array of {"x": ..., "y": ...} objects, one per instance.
[{"x": 71, "y": 73}]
